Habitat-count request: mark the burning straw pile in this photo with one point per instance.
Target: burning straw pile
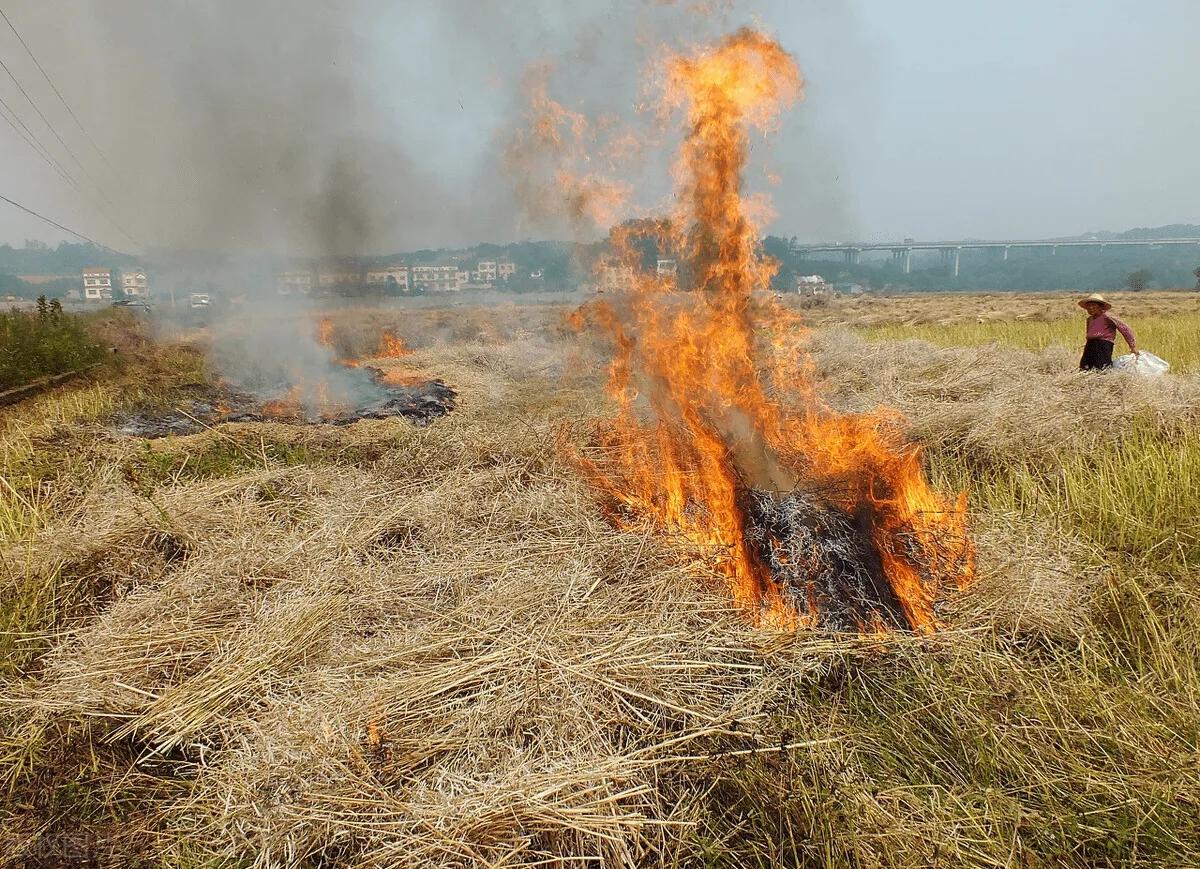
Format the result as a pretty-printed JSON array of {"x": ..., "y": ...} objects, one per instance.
[{"x": 716, "y": 433}]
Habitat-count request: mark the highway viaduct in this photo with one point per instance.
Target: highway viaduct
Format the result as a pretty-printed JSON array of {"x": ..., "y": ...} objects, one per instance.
[{"x": 952, "y": 250}]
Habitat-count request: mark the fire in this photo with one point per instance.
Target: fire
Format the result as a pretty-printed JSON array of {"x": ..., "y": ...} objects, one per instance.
[
  {"x": 400, "y": 377},
  {"x": 286, "y": 407},
  {"x": 312, "y": 400},
  {"x": 710, "y": 363},
  {"x": 391, "y": 346},
  {"x": 325, "y": 332}
]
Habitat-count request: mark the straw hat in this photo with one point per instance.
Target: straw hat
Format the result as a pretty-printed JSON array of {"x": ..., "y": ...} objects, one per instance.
[{"x": 1094, "y": 297}]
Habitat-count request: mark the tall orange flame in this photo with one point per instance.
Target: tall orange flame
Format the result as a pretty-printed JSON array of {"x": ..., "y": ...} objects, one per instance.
[{"x": 709, "y": 363}]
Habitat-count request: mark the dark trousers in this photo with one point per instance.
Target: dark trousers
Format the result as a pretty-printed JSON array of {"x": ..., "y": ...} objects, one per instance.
[{"x": 1097, "y": 354}]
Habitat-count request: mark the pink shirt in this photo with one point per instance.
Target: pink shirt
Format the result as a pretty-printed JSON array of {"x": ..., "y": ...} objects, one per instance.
[{"x": 1106, "y": 326}]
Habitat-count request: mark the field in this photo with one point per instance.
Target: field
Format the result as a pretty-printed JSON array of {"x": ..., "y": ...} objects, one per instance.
[{"x": 382, "y": 644}]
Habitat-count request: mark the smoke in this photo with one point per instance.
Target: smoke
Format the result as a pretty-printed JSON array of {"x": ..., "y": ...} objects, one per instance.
[{"x": 273, "y": 129}]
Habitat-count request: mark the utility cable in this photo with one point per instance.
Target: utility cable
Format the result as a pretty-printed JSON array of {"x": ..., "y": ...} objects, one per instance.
[
  {"x": 54, "y": 132},
  {"x": 58, "y": 225},
  {"x": 57, "y": 92},
  {"x": 34, "y": 143},
  {"x": 31, "y": 140}
]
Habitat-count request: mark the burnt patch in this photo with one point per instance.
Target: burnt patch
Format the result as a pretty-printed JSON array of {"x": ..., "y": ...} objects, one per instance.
[
  {"x": 823, "y": 558},
  {"x": 420, "y": 403}
]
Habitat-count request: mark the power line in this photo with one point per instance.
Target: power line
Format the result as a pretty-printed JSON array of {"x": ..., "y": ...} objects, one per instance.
[
  {"x": 33, "y": 142},
  {"x": 57, "y": 92},
  {"x": 45, "y": 120},
  {"x": 40, "y": 149},
  {"x": 54, "y": 132},
  {"x": 58, "y": 225},
  {"x": 45, "y": 153}
]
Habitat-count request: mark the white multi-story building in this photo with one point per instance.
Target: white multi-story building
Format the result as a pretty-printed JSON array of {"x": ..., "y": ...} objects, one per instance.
[
  {"x": 436, "y": 279},
  {"x": 334, "y": 277},
  {"x": 97, "y": 284},
  {"x": 506, "y": 270},
  {"x": 811, "y": 285},
  {"x": 485, "y": 272},
  {"x": 294, "y": 282},
  {"x": 389, "y": 276},
  {"x": 134, "y": 284}
]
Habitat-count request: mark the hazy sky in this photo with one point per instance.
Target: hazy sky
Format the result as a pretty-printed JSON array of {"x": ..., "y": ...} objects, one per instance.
[{"x": 923, "y": 118}]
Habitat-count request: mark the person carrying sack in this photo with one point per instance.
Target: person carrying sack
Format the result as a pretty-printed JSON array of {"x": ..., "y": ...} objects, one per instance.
[{"x": 1101, "y": 334}]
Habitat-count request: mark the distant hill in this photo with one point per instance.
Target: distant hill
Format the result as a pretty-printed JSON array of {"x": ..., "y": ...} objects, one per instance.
[
  {"x": 1143, "y": 233},
  {"x": 1024, "y": 269}
]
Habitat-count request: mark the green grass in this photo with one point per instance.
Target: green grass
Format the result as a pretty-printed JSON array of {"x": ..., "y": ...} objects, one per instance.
[
  {"x": 35, "y": 344},
  {"x": 1174, "y": 338},
  {"x": 1139, "y": 499}
]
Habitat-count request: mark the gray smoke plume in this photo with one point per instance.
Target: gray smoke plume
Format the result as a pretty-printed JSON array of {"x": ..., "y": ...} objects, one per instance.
[{"x": 272, "y": 127}]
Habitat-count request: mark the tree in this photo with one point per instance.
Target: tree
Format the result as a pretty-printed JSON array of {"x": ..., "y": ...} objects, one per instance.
[
  {"x": 1137, "y": 281},
  {"x": 1196, "y": 272}
]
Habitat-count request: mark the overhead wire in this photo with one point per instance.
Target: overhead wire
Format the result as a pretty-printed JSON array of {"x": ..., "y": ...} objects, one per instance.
[
  {"x": 57, "y": 225},
  {"x": 54, "y": 132},
  {"x": 22, "y": 129},
  {"x": 54, "y": 88},
  {"x": 34, "y": 142},
  {"x": 105, "y": 212}
]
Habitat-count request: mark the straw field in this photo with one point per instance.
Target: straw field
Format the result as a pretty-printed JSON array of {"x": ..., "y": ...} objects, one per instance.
[{"x": 384, "y": 645}]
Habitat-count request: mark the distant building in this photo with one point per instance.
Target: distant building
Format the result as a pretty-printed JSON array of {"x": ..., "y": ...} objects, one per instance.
[
  {"x": 134, "y": 284},
  {"x": 463, "y": 276},
  {"x": 615, "y": 277},
  {"x": 506, "y": 270},
  {"x": 394, "y": 278},
  {"x": 338, "y": 278},
  {"x": 811, "y": 285},
  {"x": 294, "y": 282},
  {"x": 666, "y": 267},
  {"x": 97, "y": 284},
  {"x": 436, "y": 279},
  {"x": 485, "y": 272}
]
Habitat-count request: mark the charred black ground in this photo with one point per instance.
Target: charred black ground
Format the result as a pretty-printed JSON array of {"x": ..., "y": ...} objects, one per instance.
[
  {"x": 419, "y": 403},
  {"x": 824, "y": 559}
]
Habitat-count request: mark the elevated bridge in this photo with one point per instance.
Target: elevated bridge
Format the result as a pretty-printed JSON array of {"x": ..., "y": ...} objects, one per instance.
[{"x": 951, "y": 251}]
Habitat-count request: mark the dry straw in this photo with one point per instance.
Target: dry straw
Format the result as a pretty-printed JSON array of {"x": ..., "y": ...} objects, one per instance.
[{"x": 445, "y": 656}]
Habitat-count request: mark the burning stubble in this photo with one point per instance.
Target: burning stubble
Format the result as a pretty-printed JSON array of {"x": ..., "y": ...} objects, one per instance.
[{"x": 813, "y": 516}]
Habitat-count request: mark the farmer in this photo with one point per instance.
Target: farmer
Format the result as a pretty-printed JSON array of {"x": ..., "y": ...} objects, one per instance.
[{"x": 1102, "y": 329}]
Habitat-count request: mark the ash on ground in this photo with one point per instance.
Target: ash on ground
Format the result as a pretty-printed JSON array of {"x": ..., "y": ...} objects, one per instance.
[
  {"x": 420, "y": 403},
  {"x": 825, "y": 561}
]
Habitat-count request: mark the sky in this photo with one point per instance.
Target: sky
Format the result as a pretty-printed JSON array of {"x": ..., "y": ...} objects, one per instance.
[{"x": 383, "y": 126}]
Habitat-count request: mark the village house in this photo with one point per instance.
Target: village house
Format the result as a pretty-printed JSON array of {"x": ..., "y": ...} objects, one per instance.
[
  {"x": 97, "y": 284},
  {"x": 615, "y": 277},
  {"x": 436, "y": 279},
  {"x": 294, "y": 282},
  {"x": 389, "y": 278},
  {"x": 811, "y": 285},
  {"x": 485, "y": 272},
  {"x": 506, "y": 270},
  {"x": 332, "y": 278},
  {"x": 134, "y": 284}
]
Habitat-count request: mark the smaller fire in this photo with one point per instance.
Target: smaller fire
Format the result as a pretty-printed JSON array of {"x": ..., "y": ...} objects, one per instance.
[
  {"x": 392, "y": 346},
  {"x": 399, "y": 377},
  {"x": 325, "y": 332}
]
